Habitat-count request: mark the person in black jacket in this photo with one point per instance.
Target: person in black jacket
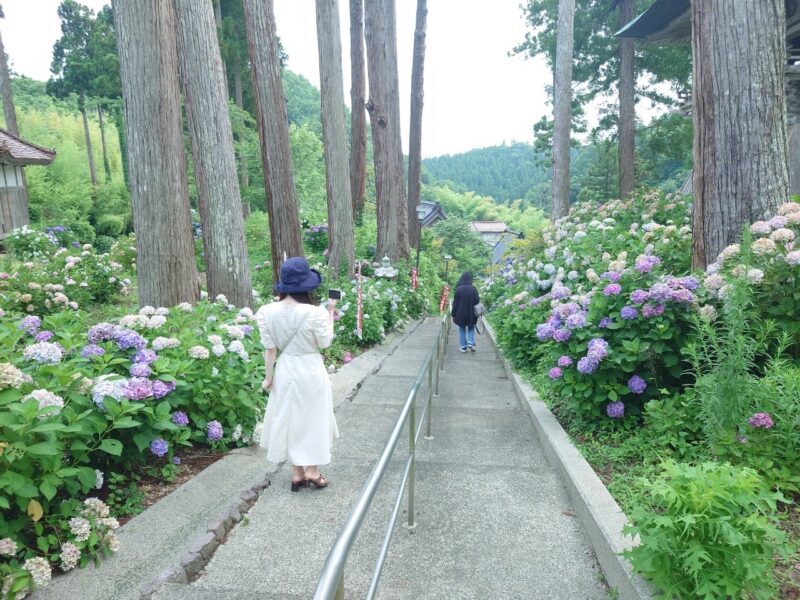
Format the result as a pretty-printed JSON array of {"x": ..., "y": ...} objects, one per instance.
[{"x": 464, "y": 302}]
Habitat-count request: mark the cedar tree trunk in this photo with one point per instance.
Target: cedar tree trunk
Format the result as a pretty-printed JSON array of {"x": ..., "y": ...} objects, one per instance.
[
  {"x": 273, "y": 130},
  {"x": 562, "y": 108},
  {"x": 415, "y": 132},
  {"x": 103, "y": 147},
  {"x": 358, "y": 91},
  {"x": 5, "y": 90},
  {"x": 739, "y": 107},
  {"x": 334, "y": 137},
  {"x": 88, "y": 138},
  {"x": 384, "y": 112},
  {"x": 627, "y": 109},
  {"x": 206, "y": 101},
  {"x": 148, "y": 59}
]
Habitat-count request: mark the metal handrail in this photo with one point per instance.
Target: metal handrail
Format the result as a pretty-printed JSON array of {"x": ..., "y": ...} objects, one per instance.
[{"x": 331, "y": 581}]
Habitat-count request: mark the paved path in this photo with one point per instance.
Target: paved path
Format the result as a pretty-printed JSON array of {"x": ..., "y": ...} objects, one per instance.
[{"x": 493, "y": 519}]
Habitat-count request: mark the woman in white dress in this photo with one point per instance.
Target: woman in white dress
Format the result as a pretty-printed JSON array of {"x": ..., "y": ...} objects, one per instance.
[{"x": 299, "y": 424}]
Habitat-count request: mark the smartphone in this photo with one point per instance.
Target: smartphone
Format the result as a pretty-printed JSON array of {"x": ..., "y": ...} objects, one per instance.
[{"x": 335, "y": 294}]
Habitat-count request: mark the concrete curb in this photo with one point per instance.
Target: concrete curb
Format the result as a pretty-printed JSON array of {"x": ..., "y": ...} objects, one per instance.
[
  {"x": 202, "y": 549},
  {"x": 601, "y": 515}
]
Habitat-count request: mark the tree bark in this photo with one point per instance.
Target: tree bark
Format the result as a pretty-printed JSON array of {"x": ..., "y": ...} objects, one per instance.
[
  {"x": 88, "y": 138},
  {"x": 218, "y": 32},
  {"x": 384, "y": 110},
  {"x": 104, "y": 148},
  {"x": 119, "y": 123},
  {"x": 627, "y": 109},
  {"x": 358, "y": 92},
  {"x": 148, "y": 60},
  {"x": 273, "y": 129},
  {"x": 415, "y": 130},
  {"x": 5, "y": 90},
  {"x": 562, "y": 108},
  {"x": 244, "y": 175},
  {"x": 206, "y": 101},
  {"x": 334, "y": 138},
  {"x": 739, "y": 109}
]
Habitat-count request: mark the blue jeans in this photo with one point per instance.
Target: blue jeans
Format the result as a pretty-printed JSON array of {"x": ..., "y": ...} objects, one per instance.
[{"x": 466, "y": 335}]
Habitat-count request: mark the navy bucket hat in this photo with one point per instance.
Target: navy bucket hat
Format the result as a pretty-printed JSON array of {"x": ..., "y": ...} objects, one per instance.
[{"x": 297, "y": 277}]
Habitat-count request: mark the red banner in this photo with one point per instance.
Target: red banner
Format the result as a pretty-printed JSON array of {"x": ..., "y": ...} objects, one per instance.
[
  {"x": 444, "y": 297},
  {"x": 359, "y": 307},
  {"x": 414, "y": 280}
]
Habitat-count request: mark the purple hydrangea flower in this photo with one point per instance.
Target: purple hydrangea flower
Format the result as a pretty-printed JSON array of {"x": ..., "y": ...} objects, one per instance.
[
  {"x": 650, "y": 310},
  {"x": 127, "y": 339},
  {"x": 145, "y": 356},
  {"x": 612, "y": 289},
  {"x": 761, "y": 420},
  {"x": 247, "y": 329},
  {"x": 30, "y": 324},
  {"x": 90, "y": 350},
  {"x": 660, "y": 292},
  {"x": 555, "y": 372},
  {"x": 639, "y": 296},
  {"x": 137, "y": 388},
  {"x": 44, "y": 336},
  {"x": 176, "y": 460},
  {"x": 140, "y": 370},
  {"x": 180, "y": 418},
  {"x": 159, "y": 447},
  {"x": 628, "y": 313},
  {"x": 564, "y": 361},
  {"x": 162, "y": 388},
  {"x": 588, "y": 365},
  {"x": 559, "y": 292},
  {"x": 612, "y": 276},
  {"x": 690, "y": 283},
  {"x": 562, "y": 335},
  {"x": 615, "y": 410},
  {"x": 605, "y": 322},
  {"x": 544, "y": 332},
  {"x": 646, "y": 263},
  {"x": 597, "y": 348},
  {"x": 682, "y": 296},
  {"x": 637, "y": 385},
  {"x": 214, "y": 431},
  {"x": 562, "y": 311},
  {"x": 102, "y": 332},
  {"x": 576, "y": 321}
]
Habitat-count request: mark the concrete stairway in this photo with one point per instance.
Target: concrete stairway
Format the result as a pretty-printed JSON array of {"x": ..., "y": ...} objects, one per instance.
[{"x": 493, "y": 520}]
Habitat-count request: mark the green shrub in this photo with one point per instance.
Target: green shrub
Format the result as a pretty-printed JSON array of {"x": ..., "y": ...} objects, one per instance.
[
  {"x": 26, "y": 243},
  {"x": 111, "y": 225},
  {"x": 709, "y": 533},
  {"x": 83, "y": 231},
  {"x": 103, "y": 244}
]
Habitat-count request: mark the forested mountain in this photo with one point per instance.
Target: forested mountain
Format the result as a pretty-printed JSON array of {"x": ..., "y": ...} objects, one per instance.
[{"x": 506, "y": 173}]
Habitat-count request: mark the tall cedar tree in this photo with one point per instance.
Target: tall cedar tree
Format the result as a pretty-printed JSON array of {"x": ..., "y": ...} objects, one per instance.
[
  {"x": 562, "y": 108},
  {"x": 205, "y": 98},
  {"x": 72, "y": 66},
  {"x": 741, "y": 171},
  {"x": 148, "y": 63},
  {"x": 627, "y": 108},
  {"x": 9, "y": 111},
  {"x": 415, "y": 129},
  {"x": 384, "y": 111},
  {"x": 334, "y": 137},
  {"x": 358, "y": 92},
  {"x": 273, "y": 130}
]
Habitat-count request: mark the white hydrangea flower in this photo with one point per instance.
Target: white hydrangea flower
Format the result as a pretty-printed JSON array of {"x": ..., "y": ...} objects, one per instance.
[
  {"x": 198, "y": 352},
  {"x": 40, "y": 571},
  {"x": 147, "y": 310},
  {"x": 70, "y": 556},
  {"x": 81, "y": 528},
  {"x": 99, "y": 478}
]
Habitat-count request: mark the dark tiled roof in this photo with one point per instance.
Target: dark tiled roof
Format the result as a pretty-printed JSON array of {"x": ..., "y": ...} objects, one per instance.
[
  {"x": 15, "y": 151},
  {"x": 433, "y": 213}
]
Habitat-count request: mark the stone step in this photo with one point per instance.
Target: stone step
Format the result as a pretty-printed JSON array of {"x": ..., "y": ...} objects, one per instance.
[{"x": 177, "y": 591}]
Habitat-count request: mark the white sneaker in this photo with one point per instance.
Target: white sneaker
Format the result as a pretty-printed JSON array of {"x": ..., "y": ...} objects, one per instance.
[{"x": 464, "y": 350}]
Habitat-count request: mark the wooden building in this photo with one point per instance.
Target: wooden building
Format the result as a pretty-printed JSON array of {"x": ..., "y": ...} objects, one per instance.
[
  {"x": 15, "y": 154},
  {"x": 433, "y": 213}
]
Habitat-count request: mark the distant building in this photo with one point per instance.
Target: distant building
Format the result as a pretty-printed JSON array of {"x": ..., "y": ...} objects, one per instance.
[
  {"x": 15, "y": 154},
  {"x": 497, "y": 235},
  {"x": 433, "y": 213}
]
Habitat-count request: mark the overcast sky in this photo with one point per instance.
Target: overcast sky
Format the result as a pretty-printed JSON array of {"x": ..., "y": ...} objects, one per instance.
[{"x": 475, "y": 94}]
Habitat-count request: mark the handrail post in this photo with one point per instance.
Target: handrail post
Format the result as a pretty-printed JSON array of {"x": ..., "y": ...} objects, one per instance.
[
  {"x": 431, "y": 367},
  {"x": 340, "y": 588},
  {"x": 412, "y": 475},
  {"x": 439, "y": 343}
]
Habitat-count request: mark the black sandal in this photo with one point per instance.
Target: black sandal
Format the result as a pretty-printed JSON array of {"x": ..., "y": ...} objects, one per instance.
[
  {"x": 296, "y": 485},
  {"x": 319, "y": 483}
]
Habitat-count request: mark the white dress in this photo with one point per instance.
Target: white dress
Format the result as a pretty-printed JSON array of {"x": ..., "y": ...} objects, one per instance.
[{"x": 299, "y": 424}]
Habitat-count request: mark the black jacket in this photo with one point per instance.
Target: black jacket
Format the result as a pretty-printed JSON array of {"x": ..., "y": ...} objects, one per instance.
[{"x": 464, "y": 306}]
